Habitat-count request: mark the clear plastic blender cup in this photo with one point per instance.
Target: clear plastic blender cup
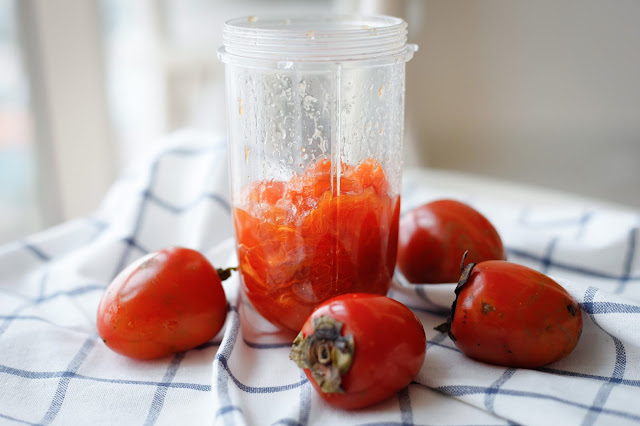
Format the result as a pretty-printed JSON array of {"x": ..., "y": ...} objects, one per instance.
[{"x": 315, "y": 124}]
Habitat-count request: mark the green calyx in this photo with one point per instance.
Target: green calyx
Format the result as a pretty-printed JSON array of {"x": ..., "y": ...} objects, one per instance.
[{"x": 325, "y": 352}]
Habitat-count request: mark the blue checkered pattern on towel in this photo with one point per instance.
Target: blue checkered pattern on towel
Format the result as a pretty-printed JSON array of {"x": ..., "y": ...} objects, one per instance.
[{"x": 54, "y": 369}]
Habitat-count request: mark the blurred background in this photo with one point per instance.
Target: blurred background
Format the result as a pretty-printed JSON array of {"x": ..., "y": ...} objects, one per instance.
[{"x": 538, "y": 92}]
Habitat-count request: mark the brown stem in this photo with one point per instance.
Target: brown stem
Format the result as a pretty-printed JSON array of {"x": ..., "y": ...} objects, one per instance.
[
  {"x": 464, "y": 278},
  {"x": 225, "y": 273}
]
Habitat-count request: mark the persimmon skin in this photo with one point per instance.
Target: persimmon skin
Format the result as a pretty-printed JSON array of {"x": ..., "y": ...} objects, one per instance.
[
  {"x": 514, "y": 316},
  {"x": 434, "y": 236},
  {"x": 390, "y": 348},
  {"x": 169, "y": 301}
]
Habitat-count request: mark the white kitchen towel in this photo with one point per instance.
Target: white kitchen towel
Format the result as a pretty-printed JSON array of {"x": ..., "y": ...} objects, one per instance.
[{"x": 54, "y": 369}]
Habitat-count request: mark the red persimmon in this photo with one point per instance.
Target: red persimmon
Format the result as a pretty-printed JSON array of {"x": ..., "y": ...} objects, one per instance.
[
  {"x": 511, "y": 315},
  {"x": 169, "y": 301},
  {"x": 359, "y": 349},
  {"x": 433, "y": 237}
]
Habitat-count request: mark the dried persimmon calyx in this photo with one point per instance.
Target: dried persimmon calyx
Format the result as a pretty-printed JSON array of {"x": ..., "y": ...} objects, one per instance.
[{"x": 325, "y": 352}]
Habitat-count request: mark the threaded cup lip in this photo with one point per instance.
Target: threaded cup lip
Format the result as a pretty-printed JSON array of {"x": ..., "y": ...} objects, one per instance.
[{"x": 283, "y": 41}]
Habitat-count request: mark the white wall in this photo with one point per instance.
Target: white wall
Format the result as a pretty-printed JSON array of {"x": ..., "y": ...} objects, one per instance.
[
  {"x": 64, "y": 60},
  {"x": 544, "y": 92}
]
